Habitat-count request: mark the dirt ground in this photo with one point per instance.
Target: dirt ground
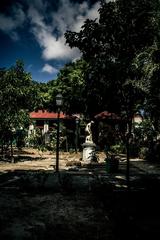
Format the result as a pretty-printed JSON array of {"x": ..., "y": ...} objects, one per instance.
[
  {"x": 29, "y": 159},
  {"x": 63, "y": 213},
  {"x": 52, "y": 216},
  {"x": 45, "y": 214}
]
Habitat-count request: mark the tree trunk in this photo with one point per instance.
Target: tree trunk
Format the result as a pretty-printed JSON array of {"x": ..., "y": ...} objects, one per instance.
[
  {"x": 128, "y": 138},
  {"x": 12, "y": 158}
]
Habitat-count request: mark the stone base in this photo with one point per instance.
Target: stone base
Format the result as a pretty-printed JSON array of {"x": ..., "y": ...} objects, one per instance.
[{"x": 88, "y": 152}]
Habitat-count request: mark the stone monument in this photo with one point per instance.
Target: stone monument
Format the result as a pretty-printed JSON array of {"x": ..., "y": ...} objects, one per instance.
[{"x": 89, "y": 146}]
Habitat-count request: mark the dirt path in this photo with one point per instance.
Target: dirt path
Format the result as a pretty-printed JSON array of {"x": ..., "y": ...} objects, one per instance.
[{"x": 31, "y": 159}]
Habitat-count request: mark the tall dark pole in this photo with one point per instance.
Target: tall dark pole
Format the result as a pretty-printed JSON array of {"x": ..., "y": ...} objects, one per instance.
[
  {"x": 128, "y": 153},
  {"x": 128, "y": 165},
  {"x": 57, "y": 145},
  {"x": 76, "y": 135}
]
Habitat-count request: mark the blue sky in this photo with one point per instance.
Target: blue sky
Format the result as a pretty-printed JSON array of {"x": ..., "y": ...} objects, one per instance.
[{"x": 33, "y": 30}]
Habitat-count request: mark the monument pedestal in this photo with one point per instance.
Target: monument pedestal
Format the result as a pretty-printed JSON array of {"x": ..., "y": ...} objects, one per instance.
[{"x": 88, "y": 152}]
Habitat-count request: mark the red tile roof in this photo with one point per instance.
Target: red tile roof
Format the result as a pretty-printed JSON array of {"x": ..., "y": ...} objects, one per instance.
[
  {"x": 45, "y": 115},
  {"x": 106, "y": 115}
]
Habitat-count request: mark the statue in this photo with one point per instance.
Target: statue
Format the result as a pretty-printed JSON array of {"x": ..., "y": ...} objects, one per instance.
[
  {"x": 89, "y": 147},
  {"x": 88, "y": 131}
]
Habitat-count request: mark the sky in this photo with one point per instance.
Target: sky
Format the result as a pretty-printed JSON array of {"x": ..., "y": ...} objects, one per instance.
[{"x": 33, "y": 31}]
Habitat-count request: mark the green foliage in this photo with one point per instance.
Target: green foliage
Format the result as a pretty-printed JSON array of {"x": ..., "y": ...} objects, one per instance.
[
  {"x": 35, "y": 138},
  {"x": 15, "y": 99},
  {"x": 147, "y": 63},
  {"x": 15, "y": 86},
  {"x": 109, "y": 46},
  {"x": 42, "y": 95},
  {"x": 71, "y": 83},
  {"x": 144, "y": 130},
  {"x": 118, "y": 148},
  {"x": 123, "y": 68},
  {"x": 144, "y": 139}
]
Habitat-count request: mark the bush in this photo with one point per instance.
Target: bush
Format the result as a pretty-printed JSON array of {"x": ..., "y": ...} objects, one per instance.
[
  {"x": 143, "y": 152},
  {"x": 118, "y": 148}
]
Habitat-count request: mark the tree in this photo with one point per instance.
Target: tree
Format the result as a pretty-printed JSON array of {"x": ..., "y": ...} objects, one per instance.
[
  {"x": 71, "y": 83},
  {"x": 147, "y": 63},
  {"x": 125, "y": 28},
  {"x": 15, "y": 100},
  {"x": 110, "y": 45},
  {"x": 41, "y": 95}
]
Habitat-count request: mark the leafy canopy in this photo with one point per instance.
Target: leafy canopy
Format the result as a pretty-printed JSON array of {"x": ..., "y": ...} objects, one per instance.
[{"x": 110, "y": 45}]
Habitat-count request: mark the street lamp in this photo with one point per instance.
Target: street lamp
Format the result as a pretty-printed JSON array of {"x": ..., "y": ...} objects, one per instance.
[
  {"x": 77, "y": 134},
  {"x": 59, "y": 102}
]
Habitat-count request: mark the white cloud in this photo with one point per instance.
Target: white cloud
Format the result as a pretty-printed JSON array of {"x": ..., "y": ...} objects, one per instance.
[
  {"x": 49, "y": 25},
  {"x": 49, "y": 34},
  {"x": 49, "y": 69},
  {"x": 9, "y": 24},
  {"x": 69, "y": 16}
]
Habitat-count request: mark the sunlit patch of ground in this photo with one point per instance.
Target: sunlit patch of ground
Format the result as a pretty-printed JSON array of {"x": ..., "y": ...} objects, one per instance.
[{"x": 32, "y": 159}]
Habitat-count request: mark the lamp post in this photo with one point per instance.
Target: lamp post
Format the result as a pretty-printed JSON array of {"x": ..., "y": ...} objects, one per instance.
[
  {"x": 59, "y": 101},
  {"x": 77, "y": 134}
]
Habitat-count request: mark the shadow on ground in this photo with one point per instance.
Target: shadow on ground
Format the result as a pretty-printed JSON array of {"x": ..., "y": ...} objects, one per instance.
[{"x": 77, "y": 205}]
